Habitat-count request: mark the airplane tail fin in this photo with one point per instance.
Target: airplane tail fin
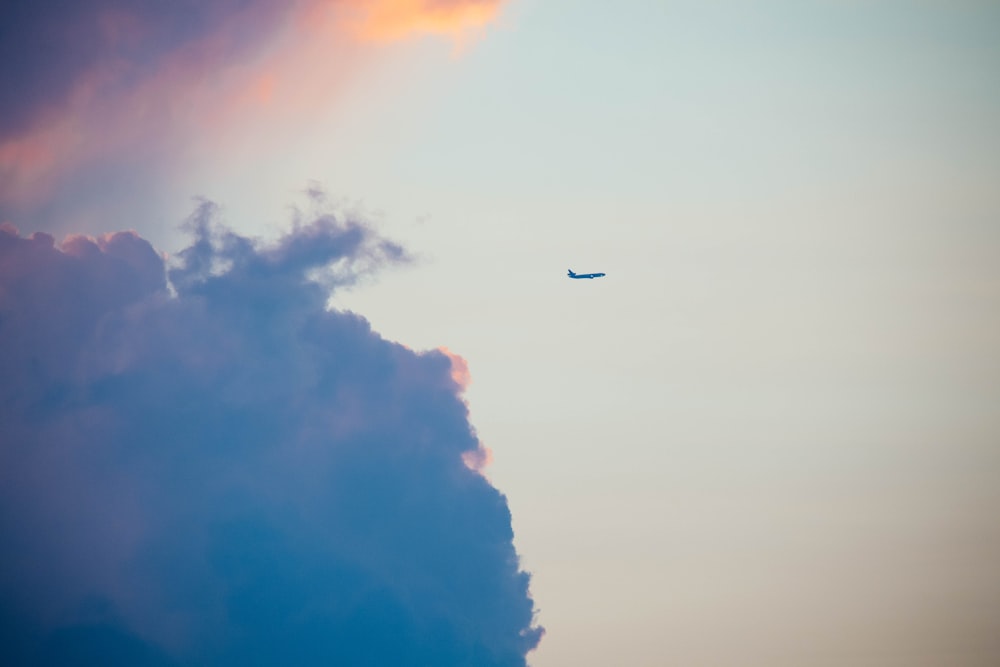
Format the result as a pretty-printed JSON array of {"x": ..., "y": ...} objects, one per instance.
[{"x": 570, "y": 272}]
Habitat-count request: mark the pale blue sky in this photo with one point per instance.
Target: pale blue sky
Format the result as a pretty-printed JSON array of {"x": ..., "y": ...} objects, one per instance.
[{"x": 770, "y": 436}]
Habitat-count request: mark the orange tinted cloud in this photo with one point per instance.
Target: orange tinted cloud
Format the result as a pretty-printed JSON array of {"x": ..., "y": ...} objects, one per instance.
[
  {"x": 479, "y": 458},
  {"x": 386, "y": 20},
  {"x": 459, "y": 368}
]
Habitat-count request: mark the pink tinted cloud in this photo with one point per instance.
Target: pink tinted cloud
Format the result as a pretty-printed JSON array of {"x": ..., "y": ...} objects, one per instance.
[
  {"x": 481, "y": 457},
  {"x": 478, "y": 459},
  {"x": 251, "y": 81},
  {"x": 459, "y": 368},
  {"x": 116, "y": 110}
]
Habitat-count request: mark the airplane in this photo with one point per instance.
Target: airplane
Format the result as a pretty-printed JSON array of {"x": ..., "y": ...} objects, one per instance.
[{"x": 577, "y": 276}]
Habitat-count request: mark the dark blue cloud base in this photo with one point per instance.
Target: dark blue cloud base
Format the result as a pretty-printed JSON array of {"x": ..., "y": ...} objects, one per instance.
[{"x": 223, "y": 472}]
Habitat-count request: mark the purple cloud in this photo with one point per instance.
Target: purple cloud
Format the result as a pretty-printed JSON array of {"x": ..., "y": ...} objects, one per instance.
[
  {"x": 50, "y": 48},
  {"x": 203, "y": 465}
]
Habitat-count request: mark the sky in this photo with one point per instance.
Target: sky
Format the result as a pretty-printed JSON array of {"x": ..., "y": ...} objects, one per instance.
[{"x": 292, "y": 368}]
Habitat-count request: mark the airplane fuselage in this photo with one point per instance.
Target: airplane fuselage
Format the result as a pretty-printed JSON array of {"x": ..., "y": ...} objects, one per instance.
[{"x": 578, "y": 276}]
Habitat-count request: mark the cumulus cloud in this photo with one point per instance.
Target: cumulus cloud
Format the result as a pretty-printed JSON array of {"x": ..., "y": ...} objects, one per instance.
[{"x": 201, "y": 464}]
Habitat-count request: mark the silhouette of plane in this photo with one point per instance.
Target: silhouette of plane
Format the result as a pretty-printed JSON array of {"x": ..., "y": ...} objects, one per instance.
[{"x": 578, "y": 276}]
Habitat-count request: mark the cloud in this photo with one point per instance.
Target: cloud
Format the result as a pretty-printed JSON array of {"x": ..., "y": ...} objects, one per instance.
[
  {"x": 120, "y": 86},
  {"x": 386, "y": 20},
  {"x": 100, "y": 81},
  {"x": 201, "y": 464},
  {"x": 60, "y": 48}
]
